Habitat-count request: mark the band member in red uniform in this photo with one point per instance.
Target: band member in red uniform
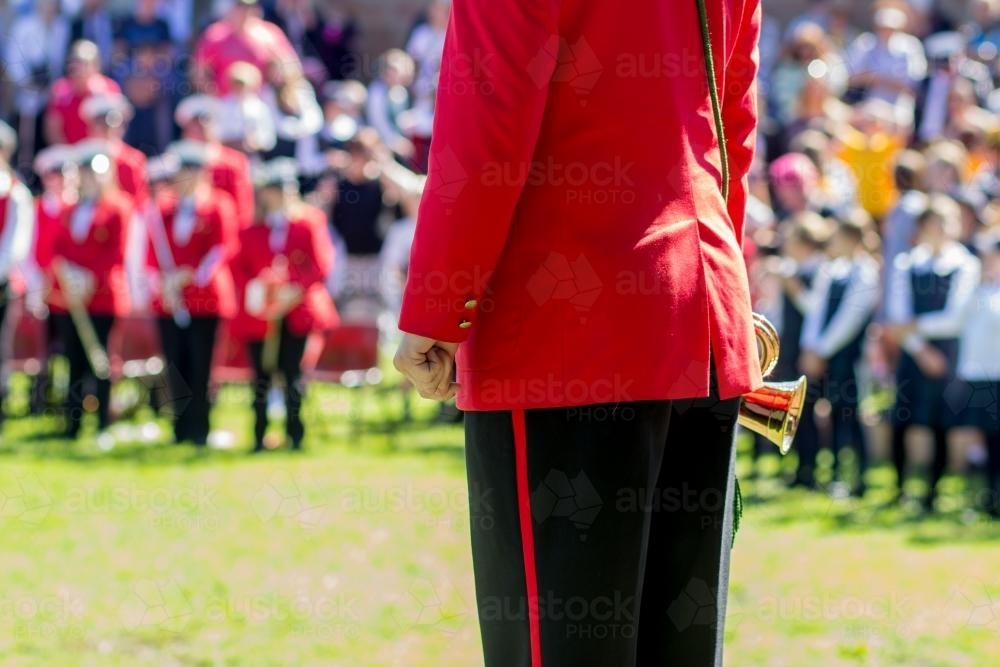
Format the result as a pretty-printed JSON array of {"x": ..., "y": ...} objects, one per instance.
[
  {"x": 579, "y": 245},
  {"x": 189, "y": 251},
  {"x": 107, "y": 117},
  {"x": 228, "y": 168},
  {"x": 64, "y": 124},
  {"x": 280, "y": 276},
  {"x": 88, "y": 278},
  {"x": 56, "y": 168},
  {"x": 17, "y": 221}
]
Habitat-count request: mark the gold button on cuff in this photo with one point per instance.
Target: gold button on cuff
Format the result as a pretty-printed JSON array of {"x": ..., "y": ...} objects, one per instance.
[
  {"x": 464, "y": 324},
  {"x": 471, "y": 304}
]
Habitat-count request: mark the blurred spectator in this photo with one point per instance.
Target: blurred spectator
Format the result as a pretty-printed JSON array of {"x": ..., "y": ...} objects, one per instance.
[
  {"x": 795, "y": 181},
  {"x": 388, "y": 98},
  {"x": 394, "y": 258},
  {"x": 954, "y": 84},
  {"x": 343, "y": 104},
  {"x": 928, "y": 290},
  {"x": 358, "y": 207},
  {"x": 899, "y": 228},
  {"x": 16, "y": 217},
  {"x": 426, "y": 47},
  {"x": 984, "y": 42},
  {"x": 107, "y": 117},
  {"x": 357, "y": 216},
  {"x": 806, "y": 74},
  {"x": 888, "y": 64},
  {"x": 294, "y": 109},
  {"x": 841, "y": 302},
  {"x": 33, "y": 55},
  {"x": 343, "y": 113},
  {"x": 978, "y": 367},
  {"x": 94, "y": 24},
  {"x": 179, "y": 15},
  {"x": 331, "y": 39},
  {"x": 240, "y": 36},
  {"x": 151, "y": 83},
  {"x": 199, "y": 117},
  {"x": 144, "y": 27},
  {"x": 945, "y": 167},
  {"x": 249, "y": 125},
  {"x": 869, "y": 144},
  {"x": 837, "y": 185},
  {"x": 805, "y": 238},
  {"x": 63, "y": 122}
]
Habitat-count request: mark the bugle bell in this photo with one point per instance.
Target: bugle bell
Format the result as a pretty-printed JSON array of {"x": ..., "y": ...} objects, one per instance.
[{"x": 774, "y": 410}]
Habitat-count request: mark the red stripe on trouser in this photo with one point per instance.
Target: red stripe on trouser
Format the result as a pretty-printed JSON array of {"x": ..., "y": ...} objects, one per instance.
[{"x": 527, "y": 535}]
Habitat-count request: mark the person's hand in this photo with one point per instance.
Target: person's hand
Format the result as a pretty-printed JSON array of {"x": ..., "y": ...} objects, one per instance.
[
  {"x": 428, "y": 364},
  {"x": 932, "y": 362},
  {"x": 289, "y": 296},
  {"x": 78, "y": 283},
  {"x": 900, "y": 332},
  {"x": 813, "y": 365},
  {"x": 175, "y": 281}
]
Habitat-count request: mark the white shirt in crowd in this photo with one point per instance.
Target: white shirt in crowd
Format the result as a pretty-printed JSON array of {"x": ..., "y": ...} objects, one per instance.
[
  {"x": 248, "y": 121},
  {"x": 394, "y": 259},
  {"x": 426, "y": 47},
  {"x": 941, "y": 324},
  {"x": 901, "y": 59},
  {"x": 18, "y": 230},
  {"x": 32, "y": 46},
  {"x": 978, "y": 357},
  {"x": 856, "y": 308}
]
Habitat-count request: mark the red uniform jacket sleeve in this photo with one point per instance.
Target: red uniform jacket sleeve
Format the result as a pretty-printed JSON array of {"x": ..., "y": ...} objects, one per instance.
[
  {"x": 739, "y": 108},
  {"x": 491, "y": 73}
]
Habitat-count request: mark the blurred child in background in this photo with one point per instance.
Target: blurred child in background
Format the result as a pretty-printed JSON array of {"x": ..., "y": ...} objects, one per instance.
[
  {"x": 844, "y": 296},
  {"x": 929, "y": 288}
]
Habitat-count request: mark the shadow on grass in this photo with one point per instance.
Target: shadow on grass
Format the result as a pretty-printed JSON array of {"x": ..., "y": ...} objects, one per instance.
[{"x": 957, "y": 517}]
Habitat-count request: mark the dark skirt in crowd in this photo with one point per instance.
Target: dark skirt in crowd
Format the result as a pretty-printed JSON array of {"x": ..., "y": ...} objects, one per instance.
[
  {"x": 920, "y": 401},
  {"x": 975, "y": 404}
]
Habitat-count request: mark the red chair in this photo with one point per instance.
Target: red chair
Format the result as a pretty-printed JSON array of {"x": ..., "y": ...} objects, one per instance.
[
  {"x": 137, "y": 366},
  {"x": 347, "y": 356},
  {"x": 230, "y": 361},
  {"x": 134, "y": 349},
  {"x": 24, "y": 342}
]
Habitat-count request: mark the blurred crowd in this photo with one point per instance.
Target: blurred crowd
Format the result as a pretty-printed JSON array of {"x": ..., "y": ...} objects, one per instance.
[{"x": 873, "y": 232}]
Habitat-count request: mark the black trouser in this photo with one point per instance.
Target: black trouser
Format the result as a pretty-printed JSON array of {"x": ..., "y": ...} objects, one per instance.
[
  {"x": 939, "y": 462},
  {"x": 845, "y": 427},
  {"x": 611, "y": 525},
  {"x": 993, "y": 471},
  {"x": 290, "y": 353},
  {"x": 81, "y": 374},
  {"x": 3, "y": 315},
  {"x": 189, "y": 368}
]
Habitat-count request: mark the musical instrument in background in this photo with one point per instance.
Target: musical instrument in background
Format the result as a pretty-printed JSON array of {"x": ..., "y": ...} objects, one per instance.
[
  {"x": 173, "y": 296},
  {"x": 96, "y": 354}
]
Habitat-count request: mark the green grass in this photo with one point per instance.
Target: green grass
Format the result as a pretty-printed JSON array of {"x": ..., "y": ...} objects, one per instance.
[{"x": 356, "y": 553}]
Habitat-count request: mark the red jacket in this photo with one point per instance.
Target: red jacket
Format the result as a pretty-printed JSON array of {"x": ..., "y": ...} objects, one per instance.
[
  {"x": 230, "y": 172},
  {"x": 65, "y": 102},
  {"x": 573, "y": 235},
  {"x": 133, "y": 178},
  {"x": 206, "y": 253},
  {"x": 50, "y": 212},
  {"x": 303, "y": 257},
  {"x": 102, "y": 253}
]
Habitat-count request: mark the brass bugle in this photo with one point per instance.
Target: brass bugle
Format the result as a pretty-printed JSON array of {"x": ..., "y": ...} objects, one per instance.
[{"x": 774, "y": 410}]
